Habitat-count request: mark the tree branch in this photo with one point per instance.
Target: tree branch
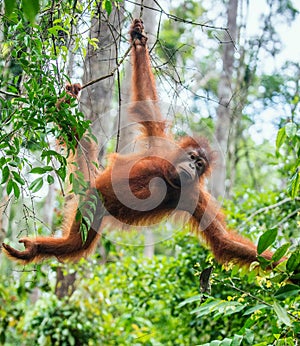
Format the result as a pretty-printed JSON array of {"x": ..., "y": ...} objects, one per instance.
[
  {"x": 270, "y": 207},
  {"x": 119, "y": 63}
]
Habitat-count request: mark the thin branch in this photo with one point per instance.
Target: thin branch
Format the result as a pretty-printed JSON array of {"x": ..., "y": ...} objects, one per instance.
[
  {"x": 119, "y": 63},
  {"x": 270, "y": 207},
  {"x": 246, "y": 293},
  {"x": 118, "y": 84},
  {"x": 286, "y": 218},
  {"x": 175, "y": 18},
  {"x": 8, "y": 93}
]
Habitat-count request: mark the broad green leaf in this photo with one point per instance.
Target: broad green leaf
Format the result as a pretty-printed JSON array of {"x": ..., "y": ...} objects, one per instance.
[
  {"x": 31, "y": 9},
  {"x": 237, "y": 340},
  {"x": 282, "y": 314},
  {"x": 5, "y": 174},
  {"x": 290, "y": 129},
  {"x": 293, "y": 262},
  {"x": 264, "y": 263},
  {"x": 281, "y": 135},
  {"x": 16, "y": 189},
  {"x": 249, "y": 336},
  {"x": 193, "y": 299},
  {"x": 266, "y": 240},
  {"x": 9, "y": 187},
  {"x": 226, "y": 342},
  {"x": 294, "y": 184},
  {"x": 50, "y": 179},
  {"x": 18, "y": 178},
  {"x": 10, "y": 5},
  {"x": 36, "y": 185},
  {"x": 280, "y": 252},
  {"x": 13, "y": 163},
  {"x": 107, "y": 5},
  {"x": 286, "y": 291},
  {"x": 255, "y": 308},
  {"x": 41, "y": 170},
  {"x": 78, "y": 216},
  {"x": 55, "y": 29}
]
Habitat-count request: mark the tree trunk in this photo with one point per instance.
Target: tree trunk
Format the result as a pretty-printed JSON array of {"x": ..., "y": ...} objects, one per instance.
[
  {"x": 65, "y": 283},
  {"x": 225, "y": 94},
  {"x": 95, "y": 100}
]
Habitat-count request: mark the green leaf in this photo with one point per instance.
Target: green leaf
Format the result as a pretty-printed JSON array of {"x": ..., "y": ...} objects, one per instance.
[
  {"x": 290, "y": 129},
  {"x": 293, "y": 262},
  {"x": 294, "y": 184},
  {"x": 55, "y": 29},
  {"x": 41, "y": 170},
  {"x": 266, "y": 240},
  {"x": 84, "y": 229},
  {"x": 10, "y": 5},
  {"x": 264, "y": 263},
  {"x": 89, "y": 217},
  {"x": 31, "y": 9},
  {"x": 5, "y": 174},
  {"x": 18, "y": 178},
  {"x": 16, "y": 189},
  {"x": 281, "y": 136},
  {"x": 286, "y": 291},
  {"x": 237, "y": 340},
  {"x": 282, "y": 314},
  {"x": 255, "y": 308},
  {"x": 62, "y": 173},
  {"x": 50, "y": 179},
  {"x": 36, "y": 185},
  {"x": 280, "y": 252},
  {"x": 9, "y": 187},
  {"x": 193, "y": 299},
  {"x": 78, "y": 216},
  {"x": 107, "y": 5}
]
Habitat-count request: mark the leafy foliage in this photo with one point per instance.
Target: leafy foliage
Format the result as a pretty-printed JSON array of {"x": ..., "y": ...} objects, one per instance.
[
  {"x": 139, "y": 301},
  {"x": 30, "y": 119},
  {"x": 289, "y": 136}
]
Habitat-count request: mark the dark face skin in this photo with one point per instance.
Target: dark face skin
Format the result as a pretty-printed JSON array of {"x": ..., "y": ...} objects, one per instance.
[{"x": 191, "y": 166}]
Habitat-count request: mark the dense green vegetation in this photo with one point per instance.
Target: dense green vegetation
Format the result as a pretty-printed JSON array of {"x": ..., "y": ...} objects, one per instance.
[{"x": 139, "y": 301}]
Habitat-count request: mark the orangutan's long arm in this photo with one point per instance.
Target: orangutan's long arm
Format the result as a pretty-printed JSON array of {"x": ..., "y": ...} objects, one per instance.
[
  {"x": 144, "y": 109},
  {"x": 226, "y": 245}
]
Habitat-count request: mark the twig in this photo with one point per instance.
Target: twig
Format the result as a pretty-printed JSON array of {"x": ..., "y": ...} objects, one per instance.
[
  {"x": 8, "y": 93},
  {"x": 175, "y": 18},
  {"x": 112, "y": 71},
  {"x": 269, "y": 207},
  {"x": 252, "y": 296},
  {"x": 286, "y": 218}
]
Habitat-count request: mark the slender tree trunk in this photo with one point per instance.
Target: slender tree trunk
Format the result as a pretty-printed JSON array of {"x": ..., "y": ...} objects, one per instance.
[
  {"x": 225, "y": 94},
  {"x": 96, "y": 100},
  {"x": 65, "y": 283}
]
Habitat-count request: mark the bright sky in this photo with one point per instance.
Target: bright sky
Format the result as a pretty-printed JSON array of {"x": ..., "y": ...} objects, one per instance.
[{"x": 289, "y": 34}]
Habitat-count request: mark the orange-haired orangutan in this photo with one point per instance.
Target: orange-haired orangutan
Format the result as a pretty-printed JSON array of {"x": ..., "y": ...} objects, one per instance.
[{"x": 164, "y": 178}]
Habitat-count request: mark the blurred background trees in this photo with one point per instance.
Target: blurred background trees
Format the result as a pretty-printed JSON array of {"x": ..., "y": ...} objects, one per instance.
[{"x": 228, "y": 70}]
